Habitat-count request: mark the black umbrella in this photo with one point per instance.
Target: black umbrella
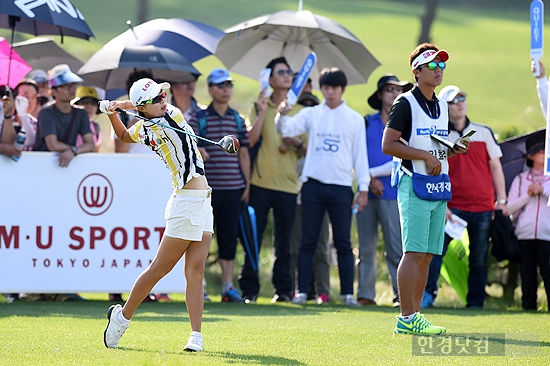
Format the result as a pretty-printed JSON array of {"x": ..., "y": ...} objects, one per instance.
[
  {"x": 44, "y": 17},
  {"x": 513, "y": 156},
  {"x": 110, "y": 67}
]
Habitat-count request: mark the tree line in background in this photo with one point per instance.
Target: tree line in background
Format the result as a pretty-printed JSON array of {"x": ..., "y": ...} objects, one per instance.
[{"x": 426, "y": 20}]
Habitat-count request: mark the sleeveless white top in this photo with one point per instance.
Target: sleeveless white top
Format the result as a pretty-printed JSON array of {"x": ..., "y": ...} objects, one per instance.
[{"x": 422, "y": 126}]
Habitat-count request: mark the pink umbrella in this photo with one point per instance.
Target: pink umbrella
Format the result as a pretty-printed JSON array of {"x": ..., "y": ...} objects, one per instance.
[{"x": 14, "y": 69}]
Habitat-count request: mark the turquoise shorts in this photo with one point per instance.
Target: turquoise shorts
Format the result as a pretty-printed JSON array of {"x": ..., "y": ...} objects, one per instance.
[{"x": 422, "y": 222}]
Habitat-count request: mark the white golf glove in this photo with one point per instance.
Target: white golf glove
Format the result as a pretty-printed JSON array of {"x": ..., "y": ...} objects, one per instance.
[
  {"x": 107, "y": 107},
  {"x": 21, "y": 105}
]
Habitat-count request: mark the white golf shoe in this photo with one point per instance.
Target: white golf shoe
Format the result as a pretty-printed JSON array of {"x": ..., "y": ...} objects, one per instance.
[
  {"x": 194, "y": 343},
  {"x": 115, "y": 329}
]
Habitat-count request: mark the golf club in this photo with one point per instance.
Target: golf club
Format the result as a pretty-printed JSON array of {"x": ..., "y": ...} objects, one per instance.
[{"x": 228, "y": 143}]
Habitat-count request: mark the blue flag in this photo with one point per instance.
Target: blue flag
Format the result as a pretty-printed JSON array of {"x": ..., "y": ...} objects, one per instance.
[
  {"x": 537, "y": 29},
  {"x": 301, "y": 79}
]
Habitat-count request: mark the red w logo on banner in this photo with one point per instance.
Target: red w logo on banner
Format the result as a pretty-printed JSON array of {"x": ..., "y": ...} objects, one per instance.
[{"x": 95, "y": 194}]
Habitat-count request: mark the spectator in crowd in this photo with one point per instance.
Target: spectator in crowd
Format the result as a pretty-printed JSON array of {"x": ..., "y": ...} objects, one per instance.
[
  {"x": 320, "y": 280},
  {"x": 306, "y": 98},
  {"x": 86, "y": 97},
  {"x": 228, "y": 175},
  {"x": 273, "y": 184},
  {"x": 382, "y": 207},
  {"x": 59, "y": 124},
  {"x": 25, "y": 102},
  {"x": 413, "y": 116},
  {"x": 43, "y": 97},
  {"x": 528, "y": 203},
  {"x": 182, "y": 97},
  {"x": 474, "y": 177},
  {"x": 189, "y": 220},
  {"x": 336, "y": 148}
]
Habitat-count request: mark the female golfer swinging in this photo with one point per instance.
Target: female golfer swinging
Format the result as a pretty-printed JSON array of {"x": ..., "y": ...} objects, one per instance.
[{"x": 188, "y": 213}]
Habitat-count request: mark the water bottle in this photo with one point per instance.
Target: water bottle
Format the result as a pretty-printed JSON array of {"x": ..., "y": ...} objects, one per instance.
[
  {"x": 355, "y": 209},
  {"x": 19, "y": 142}
]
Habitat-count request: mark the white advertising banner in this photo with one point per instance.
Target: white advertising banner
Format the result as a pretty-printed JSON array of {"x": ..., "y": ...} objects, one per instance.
[{"x": 91, "y": 227}]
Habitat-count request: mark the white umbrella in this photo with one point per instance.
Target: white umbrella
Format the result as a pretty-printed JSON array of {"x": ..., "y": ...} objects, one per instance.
[{"x": 249, "y": 46}]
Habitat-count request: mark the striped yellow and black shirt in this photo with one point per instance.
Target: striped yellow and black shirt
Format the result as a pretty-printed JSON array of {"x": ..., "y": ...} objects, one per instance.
[{"x": 178, "y": 150}]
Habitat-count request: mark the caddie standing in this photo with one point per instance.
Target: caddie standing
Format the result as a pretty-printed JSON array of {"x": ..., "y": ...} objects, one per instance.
[{"x": 422, "y": 178}]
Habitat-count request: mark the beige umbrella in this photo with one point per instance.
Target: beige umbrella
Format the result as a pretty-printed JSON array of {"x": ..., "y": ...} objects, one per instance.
[{"x": 248, "y": 47}]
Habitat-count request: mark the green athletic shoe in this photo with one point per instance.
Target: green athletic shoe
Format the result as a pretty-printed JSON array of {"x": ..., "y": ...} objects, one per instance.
[{"x": 417, "y": 325}]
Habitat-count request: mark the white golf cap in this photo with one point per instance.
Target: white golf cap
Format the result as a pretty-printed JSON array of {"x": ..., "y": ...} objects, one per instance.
[
  {"x": 429, "y": 55},
  {"x": 61, "y": 75},
  {"x": 145, "y": 89},
  {"x": 449, "y": 93}
]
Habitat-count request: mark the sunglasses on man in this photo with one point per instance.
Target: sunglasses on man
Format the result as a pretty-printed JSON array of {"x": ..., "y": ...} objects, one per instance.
[
  {"x": 283, "y": 72},
  {"x": 434, "y": 65},
  {"x": 458, "y": 99}
]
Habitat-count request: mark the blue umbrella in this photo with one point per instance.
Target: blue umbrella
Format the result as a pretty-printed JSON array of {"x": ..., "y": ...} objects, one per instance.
[
  {"x": 191, "y": 39},
  {"x": 44, "y": 17}
]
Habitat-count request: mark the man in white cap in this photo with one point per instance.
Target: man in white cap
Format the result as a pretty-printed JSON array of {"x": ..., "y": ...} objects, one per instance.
[
  {"x": 59, "y": 124},
  {"x": 414, "y": 117},
  {"x": 473, "y": 177}
]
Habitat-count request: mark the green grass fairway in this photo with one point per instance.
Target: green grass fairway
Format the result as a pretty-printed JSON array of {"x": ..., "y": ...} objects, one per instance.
[{"x": 259, "y": 334}]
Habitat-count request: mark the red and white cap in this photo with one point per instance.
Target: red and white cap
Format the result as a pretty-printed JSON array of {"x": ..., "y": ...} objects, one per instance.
[
  {"x": 145, "y": 89},
  {"x": 428, "y": 56}
]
